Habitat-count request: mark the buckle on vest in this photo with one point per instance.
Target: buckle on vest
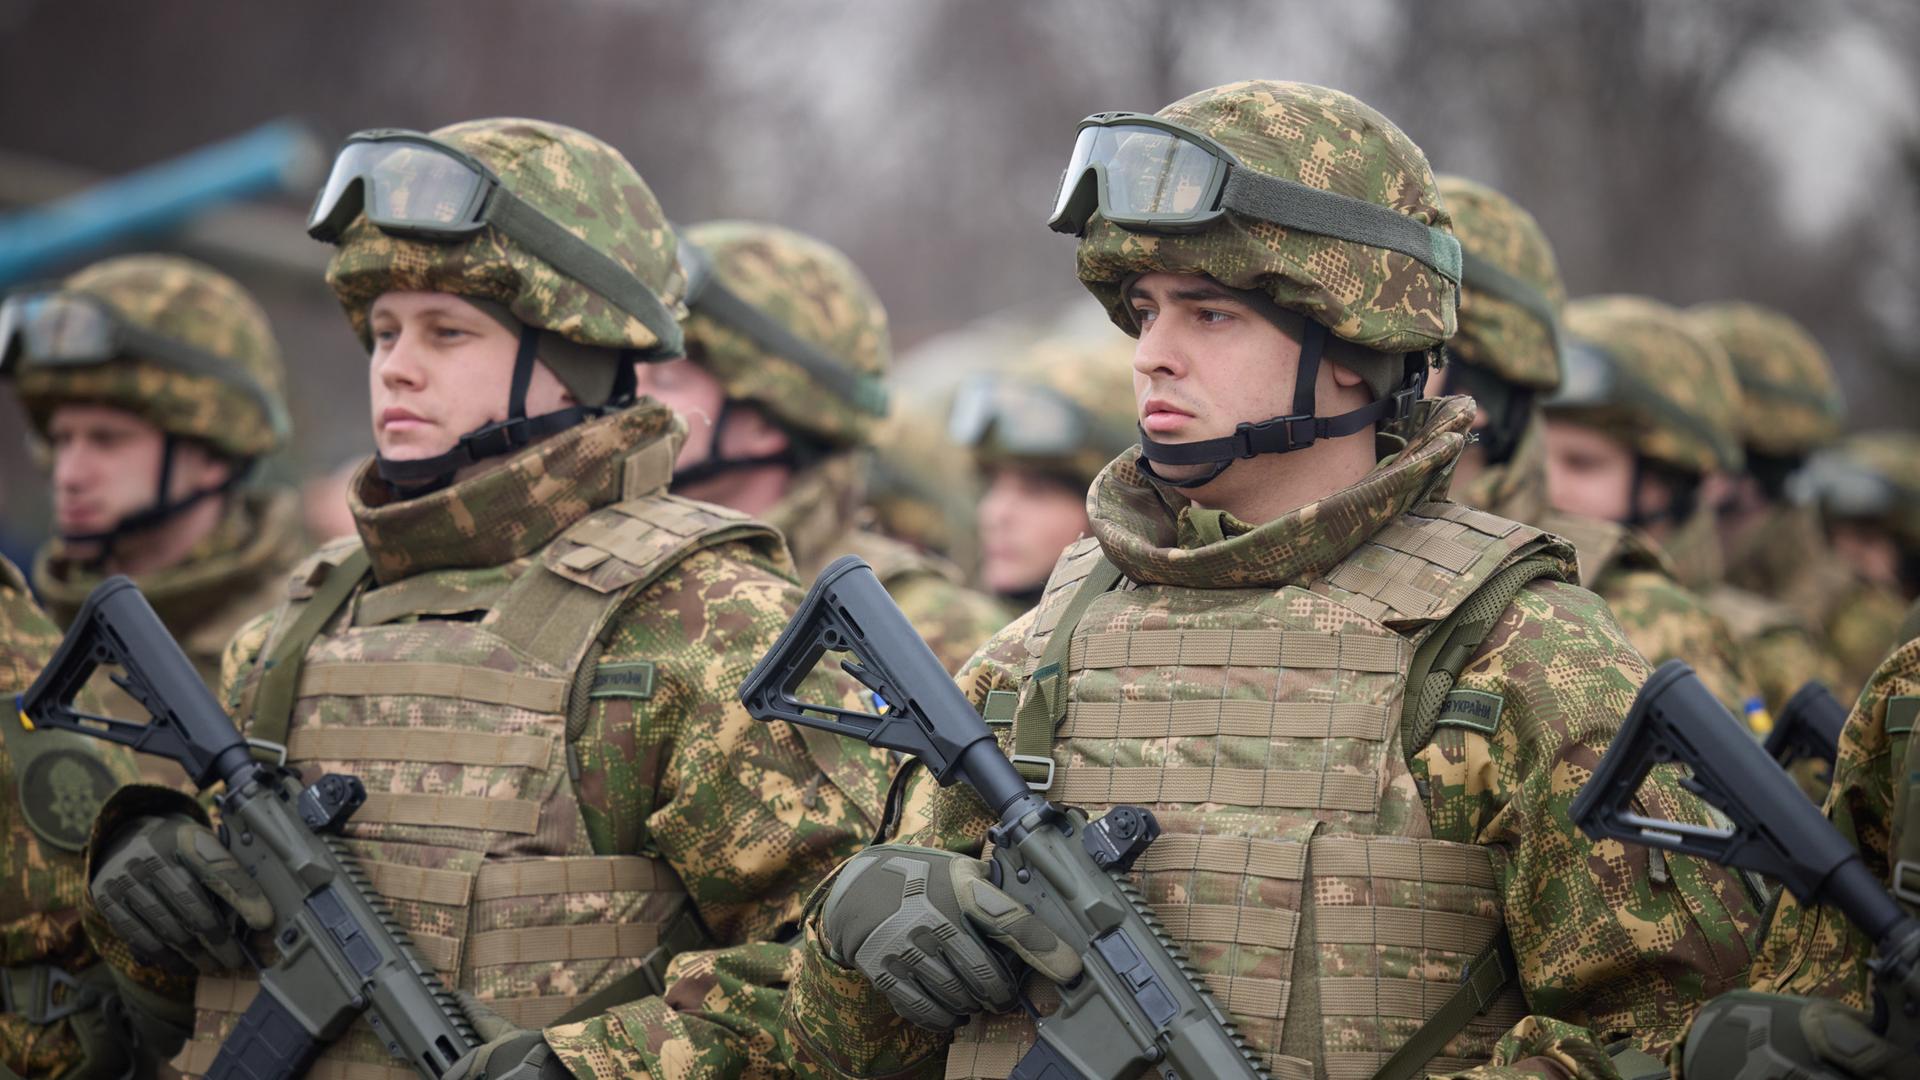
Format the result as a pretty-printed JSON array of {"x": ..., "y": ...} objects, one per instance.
[
  {"x": 44, "y": 993},
  {"x": 1906, "y": 882},
  {"x": 1035, "y": 759}
]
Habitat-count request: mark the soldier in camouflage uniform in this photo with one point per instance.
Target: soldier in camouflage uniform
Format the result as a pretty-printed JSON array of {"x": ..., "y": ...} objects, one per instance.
[
  {"x": 1643, "y": 416},
  {"x": 1234, "y": 648},
  {"x": 1867, "y": 489},
  {"x": 58, "y": 1013},
  {"x": 786, "y": 349},
  {"x": 1040, "y": 430},
  {"x": 146, "y": 365},
  {"x": 530, "y": 651},
  {"x": 919, "y": 491}
]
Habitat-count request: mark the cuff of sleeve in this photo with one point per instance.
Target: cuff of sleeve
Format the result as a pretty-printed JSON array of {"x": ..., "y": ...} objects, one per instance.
[
  {"x": 1542, "y": 1048},
  {"x": 840, "y": 1025},
  {"x": 603, "y": 1048}
]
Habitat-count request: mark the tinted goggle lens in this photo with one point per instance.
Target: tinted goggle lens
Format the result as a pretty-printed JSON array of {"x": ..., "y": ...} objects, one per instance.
[
  {"x": 1137, "y": 174},
  {"x": 1018, "y": 418},
  {"x": 1588, "y": 378},
  {"x": 54, "y": 328},
  {"x": 402, "y": 185}
]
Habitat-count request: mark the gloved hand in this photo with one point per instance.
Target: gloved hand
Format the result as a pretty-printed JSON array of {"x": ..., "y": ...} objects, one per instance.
[
  {"x": 911, "y": 918},
  {"x": 1844, "y": 1037},
  {"x": 157, "y": 889},
  {"x": 506, "y": 1052},
  {"x": 1788, "y": 1036}
]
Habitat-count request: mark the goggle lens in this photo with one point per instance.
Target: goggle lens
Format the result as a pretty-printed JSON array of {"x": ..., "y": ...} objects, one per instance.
[
  {"x": 1019, "y": 418},
  {"x": 403, "y": 185},
  {"x": 55, "y": 328},
  {"x": 1146, "y": 175}
]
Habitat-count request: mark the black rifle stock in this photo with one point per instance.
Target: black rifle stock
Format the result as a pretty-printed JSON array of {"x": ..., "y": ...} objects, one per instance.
[
  {"x": 340, "y": 953},
  {"x": 1138, "y": 1004},
  {"x": 1774, "y": 829},
  {"x": 1808, "y": 726}
]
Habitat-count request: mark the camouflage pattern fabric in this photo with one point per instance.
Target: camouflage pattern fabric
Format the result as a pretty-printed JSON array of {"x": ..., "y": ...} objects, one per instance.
[
  {"x": 1864, "y": 628},
  {"x": 1780, "y": 649},
  {"x": 1894, "y": 456},
  {"x": 820, "y": 518},
  {"x": 1609, "y": 942},
  {"x": 1094, "y": 376},
  {"x": 1789, "y": 401},
  {"x": 235, "y": 573},
  {"x": 43, "y": 886},
  {"x": 1679, "y": 403},
  {"x": 1814, "y": 951},
  {"x": 919, "y": 490},
  {"x": 1666, "y": 621},
  {"x": 1517, "y": 487},
  {"x": 1323, "y": 138},
  {"x": 1495, "y": 333},
  {"x": 190, "y": 303},
  {"x": 819, "y": 296},
  {"x": 576, "y": 180}
]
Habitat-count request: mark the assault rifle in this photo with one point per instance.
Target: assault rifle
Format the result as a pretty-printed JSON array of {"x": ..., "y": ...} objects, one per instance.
[
  {"x": 1808, "y": 726},
  {"x": 340, "y": 952},
  {"x": 1137, "y": 1005},
  {"x": 1774, "y": 831}
]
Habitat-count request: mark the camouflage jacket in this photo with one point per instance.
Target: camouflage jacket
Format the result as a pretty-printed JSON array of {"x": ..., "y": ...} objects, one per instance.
[
  {"x": 1815, "y": 951},
  {"x": 747, "y": 817},
  {"x": 236, "y": 573},
  {"x": 821, "y": 519},
  {"x": 44, "y": 882},
  {"x": 1610, "y": 944}
]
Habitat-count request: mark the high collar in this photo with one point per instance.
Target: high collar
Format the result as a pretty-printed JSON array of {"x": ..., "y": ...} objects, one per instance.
[
  {"x": 1152, "y": 534},
  {"x": 511, "y": 510},
  {"x": 822, "y": 505},
  {"x": 259, "y": 534},
  {"x": 1516, "y": 488}
]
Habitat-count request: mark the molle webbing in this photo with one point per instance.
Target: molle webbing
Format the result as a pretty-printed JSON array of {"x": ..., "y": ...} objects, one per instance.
[
  {"x": 1443, "y": 653},
  {"x": 280, "y": 671},
  {"x": 377, "y": 678},
  {"x": 428, "y": 745}
]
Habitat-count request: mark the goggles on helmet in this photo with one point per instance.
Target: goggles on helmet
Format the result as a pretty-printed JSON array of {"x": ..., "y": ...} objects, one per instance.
[
  {"x": 414, "y": 186},
  {"x": 1844, "y": 488},
  {"x": 1024, "y": 419},
  {"x": 51, "y": 328},
  {"x": 1146, "y": 174},
  {"x": 1592, "y": 378}
]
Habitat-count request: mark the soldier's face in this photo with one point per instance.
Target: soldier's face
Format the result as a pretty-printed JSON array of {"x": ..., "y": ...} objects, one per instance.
[
  {"x": 441, "y": 368},
  {"x": 1870, "y": 550},
  {"x": 1026, "y": 518},
  {"x": 106, "y": 466},
  {"x": 1589, "y": 472}
]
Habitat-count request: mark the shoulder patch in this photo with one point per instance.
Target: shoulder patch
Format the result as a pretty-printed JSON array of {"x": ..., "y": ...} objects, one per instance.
[
  {"x": 1476, "y": 710},
  {"x": 628, "y": 680},
  {"x": 1901, "y": 713},
  {"x": 60, "y": 793}
]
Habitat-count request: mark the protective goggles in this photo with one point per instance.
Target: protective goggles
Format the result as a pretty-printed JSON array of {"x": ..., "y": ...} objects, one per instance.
[
  {"x": 1591, "y": 378},
  {"x": 414, "y": 186},
  {"x": 52, "y": 328},
  {"x": 1027, "y": 420},
  {"x": 1146, "y": 174},
  {"x": 1843, "y": 488}
]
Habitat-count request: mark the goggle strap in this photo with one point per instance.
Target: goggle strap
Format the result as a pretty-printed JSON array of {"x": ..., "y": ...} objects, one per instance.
[
  {"x": 580, "y": 261},
  {"x": 1294, "y": 205},
  {"x": 1483, "y": 276},
  {"x": 724, "y": 306}
]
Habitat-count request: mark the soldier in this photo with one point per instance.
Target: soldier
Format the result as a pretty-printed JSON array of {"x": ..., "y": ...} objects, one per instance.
[
  {"x": 1040, "y": 431},
  {"x": 1234, "y": 647},
  {"x": 919, "y": 491},
  {"x": 59, "y": 1013},
  {"x": 1867, "y": 489},
  {"x": 781, "y": 386},
  {"x": 157, "y": 383},
  {"x": 1644, "y": 414},
  {"x": 530, "y": 651}
]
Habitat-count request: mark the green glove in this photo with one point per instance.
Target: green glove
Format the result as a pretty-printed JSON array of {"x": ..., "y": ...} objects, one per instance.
[
  {"x": 1748, "y": 1033},
  {"x": 1844, "y": 1037},
  {"x": 167, "y": 885},
  {"x": 507, "y": 1052},
  {"x": 911, "y": 918}
]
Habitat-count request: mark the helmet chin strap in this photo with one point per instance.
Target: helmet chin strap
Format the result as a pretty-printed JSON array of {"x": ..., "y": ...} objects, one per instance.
[
  {"x": 1684, "y": 492},
  {"x": 1285, "y": 434},
  {"x": 421, "y": 476},
  {"x": 715, "y": 465},
  {"x": 162, "y": 509}
]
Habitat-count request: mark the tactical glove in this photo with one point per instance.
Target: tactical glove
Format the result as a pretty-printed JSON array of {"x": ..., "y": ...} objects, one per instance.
[
  {"x": 167, "y": 886},
  {"x": 911, "y": 918},
  {"x": 1779, "y": 1035},
  {"x": 507, "y": 1052}
]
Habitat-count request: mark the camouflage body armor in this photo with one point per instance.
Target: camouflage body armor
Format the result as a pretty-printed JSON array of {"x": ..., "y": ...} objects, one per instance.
[
  {"x": 1298, "y": 866},
  {"x": 455, "y": 695}
]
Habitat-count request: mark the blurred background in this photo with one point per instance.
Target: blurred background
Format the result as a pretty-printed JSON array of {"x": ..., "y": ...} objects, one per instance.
[{"x": 1688, "y": 149}]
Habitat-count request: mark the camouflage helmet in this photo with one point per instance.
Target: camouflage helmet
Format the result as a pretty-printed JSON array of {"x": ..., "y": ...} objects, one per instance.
[
  {"x": 1064, "y": 406},
  {"x": 1374, "y": 297},
  {"x": 1511, "y": 294},
  {"x": 1790, "y": 403},
  {"x": 790, "y": 324},
  {"x": 918, "y": 488},
  {"x": 572, "y": 179},
  {"x": 192, "y": 354},
  {"x": 1869, "y": 476},
  {"x": 1636, "y": 369}
]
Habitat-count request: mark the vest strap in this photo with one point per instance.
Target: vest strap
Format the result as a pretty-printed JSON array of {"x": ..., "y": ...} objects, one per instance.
[
  {"x": 1045, "y": 705},
  {"x": 1906, "y": 849},
  {"x": 280, "y": 674},
  {"x": 683, "y": 934},
  {"x": 1480, "y": 983},
  {"x": 376, "y": 678},
  {"x": 45, "y": 993},
  {"x": 431, "y": 745},
  {"x": 518, "y": 816}
]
